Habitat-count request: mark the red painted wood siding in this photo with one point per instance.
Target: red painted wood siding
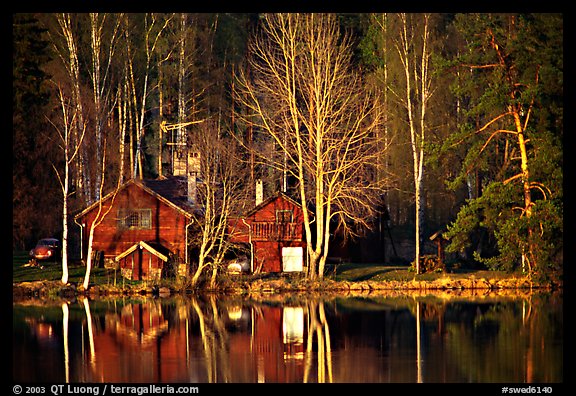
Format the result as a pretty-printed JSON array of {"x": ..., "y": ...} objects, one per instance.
[
  {"x": 142, "y": 265},
  {"x": 268, "y": 235},
  {"x": 168, "y": 225}
]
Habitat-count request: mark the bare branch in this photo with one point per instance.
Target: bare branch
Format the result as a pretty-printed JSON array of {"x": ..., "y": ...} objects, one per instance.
[{"x": 512, "y": 178}]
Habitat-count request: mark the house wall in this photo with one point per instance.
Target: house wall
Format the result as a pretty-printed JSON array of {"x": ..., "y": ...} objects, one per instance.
[
  {"x": 141, "y": 265},
  {"x": 268, "y": 255},
  {"x": 168, "y": 225},
  {"x": 268, "y": 246}
]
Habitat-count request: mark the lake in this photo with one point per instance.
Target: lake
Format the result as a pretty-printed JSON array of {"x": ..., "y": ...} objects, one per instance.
[{"x": 292, "y": 339}]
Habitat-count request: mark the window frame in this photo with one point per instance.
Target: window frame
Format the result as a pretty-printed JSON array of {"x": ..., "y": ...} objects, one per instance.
[
  {"x": 135, "y": 219},
  {"x": 281, "y": 216}
]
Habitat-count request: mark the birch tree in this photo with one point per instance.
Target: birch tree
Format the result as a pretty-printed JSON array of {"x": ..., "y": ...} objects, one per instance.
[
  {"x": 303, "y": 95},
  {"x": 219, "y": 196},
  {"x": 122, "y": 116},
  {"x": 71, "y": 150},
  {"x": 101, "y": 214},
  {"x": 100, "y": 76},
  {"x": 154, "y": 26},
  {"x": 413, "y": 47},
  {"x": 64, "y": 41}
]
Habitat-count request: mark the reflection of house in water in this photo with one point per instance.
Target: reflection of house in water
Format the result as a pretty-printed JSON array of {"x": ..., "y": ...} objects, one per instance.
[
  {"x": 141, "y": 323},
  {"x": 136, "y": 346},
  {"x": 293, "y": 332},
  {"x": 147, "y": 342},
  {"x": 43, "y": 331},
  {"x": 278, "y": 338},
  {"x": 272, "y": 348}
]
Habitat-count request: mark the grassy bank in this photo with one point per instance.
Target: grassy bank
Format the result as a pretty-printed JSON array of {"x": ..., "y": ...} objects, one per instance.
[{"x": 45, "y": 280}]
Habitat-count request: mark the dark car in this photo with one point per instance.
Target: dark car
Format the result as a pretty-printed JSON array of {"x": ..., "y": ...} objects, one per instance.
[{"x": 45, "y": 249}]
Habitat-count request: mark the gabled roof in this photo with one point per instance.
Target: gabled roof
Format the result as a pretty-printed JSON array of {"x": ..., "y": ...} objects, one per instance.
[
  {"x": 155, "y": 250},
  {"x": 280, "y": 194},
  {"x": 171, "y": 190}
]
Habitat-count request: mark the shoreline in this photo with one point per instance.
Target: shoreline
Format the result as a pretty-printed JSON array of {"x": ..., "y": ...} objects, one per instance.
[{"x": 446, "y": 286}]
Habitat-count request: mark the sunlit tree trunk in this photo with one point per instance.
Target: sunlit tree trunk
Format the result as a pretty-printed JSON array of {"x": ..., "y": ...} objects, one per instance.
[
  {"x": 303, "y": 94},
  {"x": 220, "y": 196},
  {"x": 150, "y": 41},
  {"x": 417, "y": 93},
  {"x": 121, "y": 101},
  {"x": 69, "y": 57},
  {"x": 520, "y": 117},
  {"x": 98, "y": 219},
  {"x": 70, "y": 153},
  {"x": 160, "y": 118},
  {"x": 382, "y": 23},
  {"x": 100, "y": 82}
]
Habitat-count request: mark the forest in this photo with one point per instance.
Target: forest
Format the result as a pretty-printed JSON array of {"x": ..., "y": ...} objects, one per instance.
[{"x": 417, "y": 122}]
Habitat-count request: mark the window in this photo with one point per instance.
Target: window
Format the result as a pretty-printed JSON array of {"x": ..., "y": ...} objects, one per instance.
[
  {"x": 283, "y": 216},
  {"x": 135, "y": 219},
  {"x": 292, "y": 259}
]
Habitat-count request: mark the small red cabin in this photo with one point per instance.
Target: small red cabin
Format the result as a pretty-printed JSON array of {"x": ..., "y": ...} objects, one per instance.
[
  {"x": 273, "y": 230},
  {"x": 145, "y": 226}
]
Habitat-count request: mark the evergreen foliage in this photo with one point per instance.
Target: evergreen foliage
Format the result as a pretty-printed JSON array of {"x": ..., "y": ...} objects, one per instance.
[
  {"x": 511, "y": 71},
  {"x": 473, "y": 168}
]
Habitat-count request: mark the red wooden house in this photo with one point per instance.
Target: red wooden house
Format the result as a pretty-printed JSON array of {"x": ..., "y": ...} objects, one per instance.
[
  {"x": 274, "y": 232},
  {"x": 145, "y": 229}
]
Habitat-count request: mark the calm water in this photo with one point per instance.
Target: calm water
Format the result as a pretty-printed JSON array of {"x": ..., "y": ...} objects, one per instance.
[{"x": 508, "y": 339}]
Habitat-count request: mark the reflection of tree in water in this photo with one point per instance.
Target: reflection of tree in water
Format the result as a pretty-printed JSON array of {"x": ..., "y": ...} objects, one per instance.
[
  {"x": 504, "y": 341},
  {"x": 318, "y": 326},
  {"x": 214, "y": 340},
  {"x": 268, "y": 342}
]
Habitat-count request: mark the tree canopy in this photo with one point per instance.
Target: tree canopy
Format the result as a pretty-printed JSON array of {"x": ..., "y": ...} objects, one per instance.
[{"x": 489, "y": 133}]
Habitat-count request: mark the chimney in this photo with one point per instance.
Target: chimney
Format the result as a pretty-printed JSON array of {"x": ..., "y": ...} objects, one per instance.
[
  {"x": 191, "y": 196},
  {"x": 193, "y": 172},
  {"x": 259, "y": 192}
]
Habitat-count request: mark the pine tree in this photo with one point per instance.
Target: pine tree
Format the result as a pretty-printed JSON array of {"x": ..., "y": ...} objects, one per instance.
[{"x": 513, "y": 81}]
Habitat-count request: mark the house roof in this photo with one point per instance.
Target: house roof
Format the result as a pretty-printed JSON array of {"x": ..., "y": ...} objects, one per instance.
[
  {"x": 174, "y": 189},
  {"x": 280, "y": 194},
  {"x": 171, "y": 190},
  {"x": 156, "y": 249}
]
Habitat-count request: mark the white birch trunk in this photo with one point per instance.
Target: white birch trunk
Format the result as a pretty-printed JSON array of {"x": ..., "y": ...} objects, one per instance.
[
  {"x": 417, "y": 132},
  {"x": 66, "y": 138},
  {"x": 160, "y": 118},
  {"x": 122, "y": 114},
  {"x": 86, "y": 281},
  {"x": 72, "y": 66},
  {"x": 64, "y": 279},
  {"x": 96, "y": 41},
  {"x": 150, "y": 49}
]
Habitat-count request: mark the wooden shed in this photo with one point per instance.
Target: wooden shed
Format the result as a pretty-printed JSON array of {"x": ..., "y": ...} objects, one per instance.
[
  {"x": 274, "y": 232},
  {"x": 143, "y": 261},
  {"x": 146, "y": 226}
]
